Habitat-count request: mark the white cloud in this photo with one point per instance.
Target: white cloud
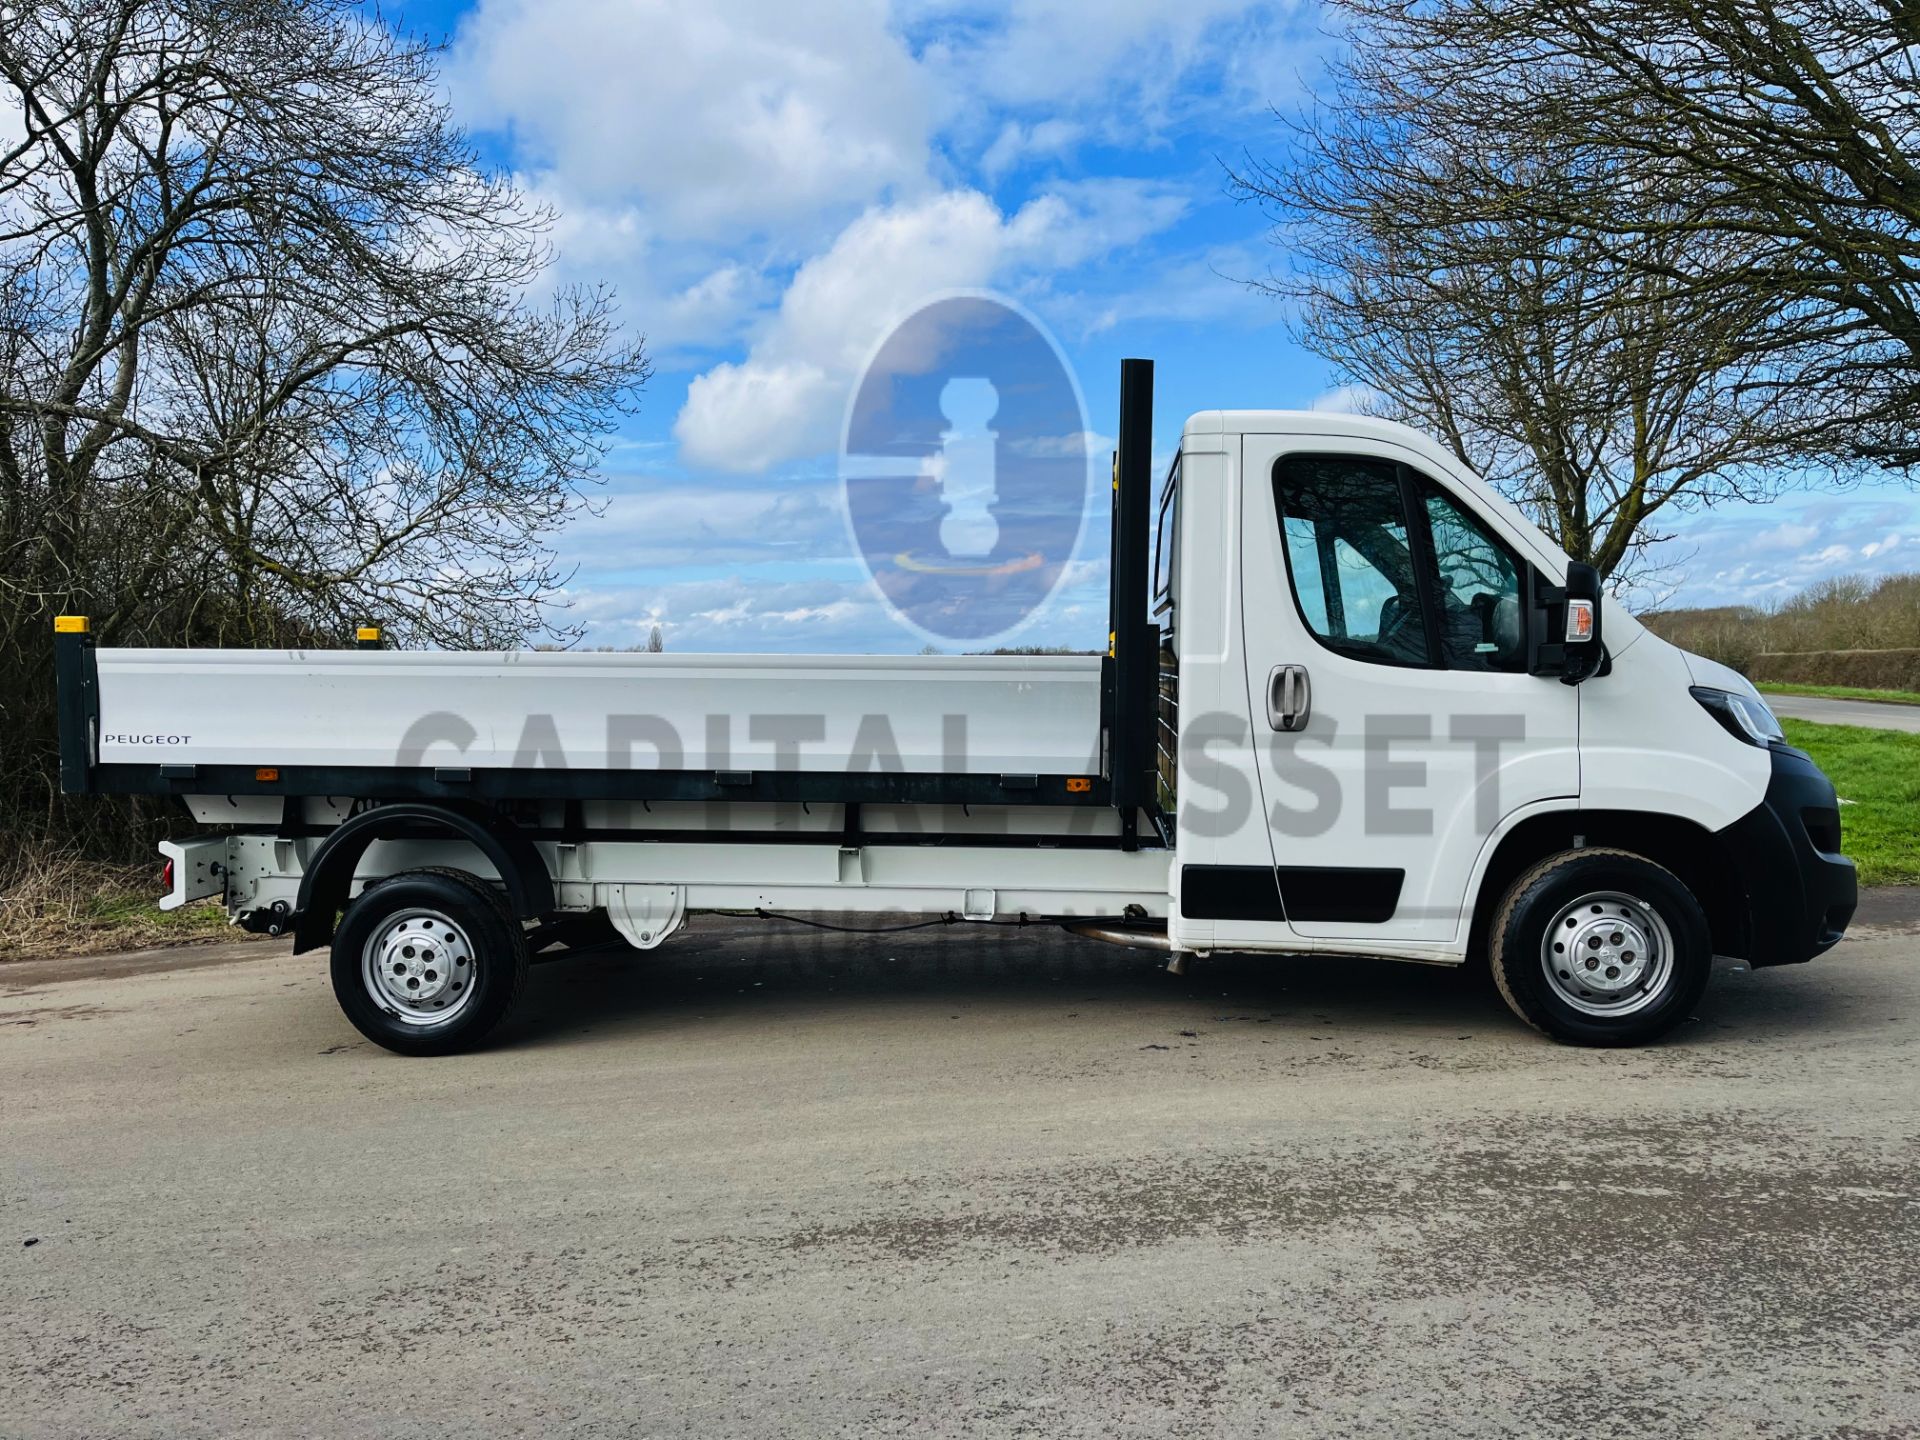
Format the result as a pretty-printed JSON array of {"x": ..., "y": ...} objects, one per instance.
[
  {"x": 767, "y": 120},
  {"x": 786, "y": 398},
  {"x": 1074, "y": 221},
  {"x": 681, "y": 295},
  {"x": 696, "y": 153},
  {"x": 716, "y": 117},
  {"x": 1017, "y": 143},
  {"x": 747, "y": 418},
  {"x": 883, "y": 264},
  {"x": 1349, "y": 400},
  {"x": 715, "y": 303},
  {"x": 1195, "y": 287},
  {"x": 1762, "y": 554},
  {"x": 1785, "y": 536},
  {"x": 1125, "y": 64},
  {"x": 653, "y": 522},
  {"x": 732, "y": 613}
]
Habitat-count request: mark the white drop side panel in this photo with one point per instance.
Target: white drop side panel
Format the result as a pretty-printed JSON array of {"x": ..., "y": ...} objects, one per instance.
[{"x": 982, "y": 715}]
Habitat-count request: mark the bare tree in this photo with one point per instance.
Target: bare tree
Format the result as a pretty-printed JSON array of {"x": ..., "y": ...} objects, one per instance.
[
  {"x": 1574, "y": 359},
  {"x": 1783, "y": 134},
  {"x": 268, "y": 356}
]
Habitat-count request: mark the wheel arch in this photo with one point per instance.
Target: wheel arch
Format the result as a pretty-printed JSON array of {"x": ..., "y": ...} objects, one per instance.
[
  {"x": 1698, "y": 857},
  {"x": 328, "y": 878}
]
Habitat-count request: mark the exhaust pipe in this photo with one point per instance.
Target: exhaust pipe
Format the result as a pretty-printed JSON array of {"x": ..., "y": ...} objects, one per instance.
[
  {"x": 1141, "y": 938},
  {"x": 1119, "y": 933}
]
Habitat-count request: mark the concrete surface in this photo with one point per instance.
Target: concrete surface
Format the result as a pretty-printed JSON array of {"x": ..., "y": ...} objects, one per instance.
[
  {"x": 790, "y": 1184},
  {"x": 1874, "y": 714}
]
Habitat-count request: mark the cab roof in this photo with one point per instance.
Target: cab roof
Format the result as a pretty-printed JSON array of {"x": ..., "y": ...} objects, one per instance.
[{"x": 1304, "y": 422}]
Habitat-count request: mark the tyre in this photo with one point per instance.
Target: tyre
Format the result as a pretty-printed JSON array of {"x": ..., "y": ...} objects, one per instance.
[
  {"x": 1600, "y": 947},
  {"x": 428, "y": 962}
]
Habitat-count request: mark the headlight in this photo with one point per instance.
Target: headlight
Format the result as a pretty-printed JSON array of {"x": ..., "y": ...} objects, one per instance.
[{"x": 1745, "y": 717}]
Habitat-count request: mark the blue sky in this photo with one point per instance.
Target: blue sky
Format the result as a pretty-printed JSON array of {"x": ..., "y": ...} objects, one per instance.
[{"x": 769, "y": 184}]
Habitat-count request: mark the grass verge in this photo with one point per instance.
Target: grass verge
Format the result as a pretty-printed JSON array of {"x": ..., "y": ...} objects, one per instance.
[
  {"x": 65, "y": 906},
  {"x": 1877, "y": 773},
  {"x": 1843, "y": 692}
]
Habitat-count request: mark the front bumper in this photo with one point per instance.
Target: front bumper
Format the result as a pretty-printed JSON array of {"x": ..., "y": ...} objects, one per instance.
[{"x": 1801, "y": 891}]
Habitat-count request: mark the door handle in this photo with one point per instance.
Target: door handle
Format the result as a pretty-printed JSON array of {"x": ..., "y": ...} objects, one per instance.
[{"x": 1289, "y": 697}]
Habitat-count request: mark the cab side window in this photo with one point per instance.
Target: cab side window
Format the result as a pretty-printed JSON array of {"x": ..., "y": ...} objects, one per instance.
[
  {"x": 1481, "y": 626},
  {"x": 1166, "y": 545},
  {"x": 1386, "y": 567},
  {"x": 1349, "y": 554}
]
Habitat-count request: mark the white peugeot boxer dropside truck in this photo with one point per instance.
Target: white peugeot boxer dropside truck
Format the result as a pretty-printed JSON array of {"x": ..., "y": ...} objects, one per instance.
[{"x": 1354, "y": 703}]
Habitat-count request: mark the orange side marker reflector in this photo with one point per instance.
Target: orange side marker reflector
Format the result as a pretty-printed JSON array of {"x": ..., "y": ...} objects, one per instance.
[
  {"x": 267, "y": 772},
  {"x": 1079, "y": 785}
]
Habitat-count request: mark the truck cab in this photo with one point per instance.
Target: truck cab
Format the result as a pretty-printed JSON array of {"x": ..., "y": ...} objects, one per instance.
[{"x": 1378, "y": 731}]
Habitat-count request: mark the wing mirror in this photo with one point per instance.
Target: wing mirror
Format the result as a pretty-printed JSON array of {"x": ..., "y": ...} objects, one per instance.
[{"x": 1565, "y": 634}]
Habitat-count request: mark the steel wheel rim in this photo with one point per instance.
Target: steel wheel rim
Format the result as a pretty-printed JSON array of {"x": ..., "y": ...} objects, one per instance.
[
  {"x": 1607, "y": 954},
  {"x": 418, "y": 967}
]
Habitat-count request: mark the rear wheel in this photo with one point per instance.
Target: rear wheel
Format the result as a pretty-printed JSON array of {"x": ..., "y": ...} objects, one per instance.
[
  {"x": 428, "y": 962},
  {"x": 1600, "y": 947}
]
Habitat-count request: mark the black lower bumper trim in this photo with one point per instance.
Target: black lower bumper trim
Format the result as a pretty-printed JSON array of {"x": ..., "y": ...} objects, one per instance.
[{"x": 1801, "y": 891}]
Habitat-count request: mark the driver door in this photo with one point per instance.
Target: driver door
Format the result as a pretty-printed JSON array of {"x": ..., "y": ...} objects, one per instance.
[{"x": 1386, "y": 671}]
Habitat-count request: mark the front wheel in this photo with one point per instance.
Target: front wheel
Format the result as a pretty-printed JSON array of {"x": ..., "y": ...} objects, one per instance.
[
  {"x": 428, "y": 962},
  {"x": 1600, "y": 947}
]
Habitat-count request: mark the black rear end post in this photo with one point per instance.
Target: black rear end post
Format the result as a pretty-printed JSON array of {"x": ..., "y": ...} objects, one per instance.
[
  {"x": 79, "y": 704},
  {"x": 1135, "y": 640}
]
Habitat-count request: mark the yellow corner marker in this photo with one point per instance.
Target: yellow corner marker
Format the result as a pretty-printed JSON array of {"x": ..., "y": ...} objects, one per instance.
[
  {"x": 71, "y": 625},
  {"x": 367, "y": 632}
]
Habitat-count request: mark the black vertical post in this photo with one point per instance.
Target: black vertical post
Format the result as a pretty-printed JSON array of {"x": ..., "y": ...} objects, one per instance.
[
  {"x": 1134, "y": 645},
  {"x": 78, "y": 705}
]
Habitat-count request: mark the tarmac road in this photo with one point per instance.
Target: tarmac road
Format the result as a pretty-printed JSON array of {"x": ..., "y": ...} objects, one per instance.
[
  {"x": 791, "y": 1184},
  {"x": 1874, "y": 714}
]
